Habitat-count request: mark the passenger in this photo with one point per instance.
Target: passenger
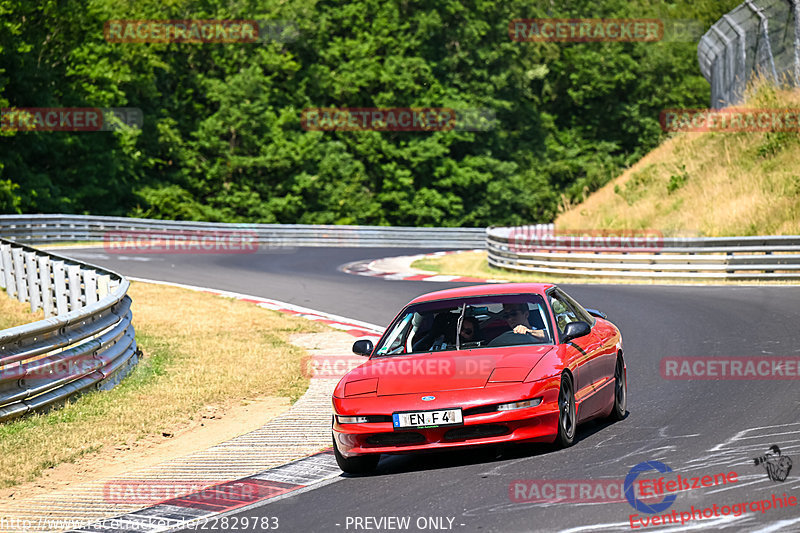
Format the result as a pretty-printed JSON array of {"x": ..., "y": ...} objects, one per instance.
[
  {"x": 441, "y": 333},
  {"x": 469, "y": 330},
  {"x": 516, "y": 315}
]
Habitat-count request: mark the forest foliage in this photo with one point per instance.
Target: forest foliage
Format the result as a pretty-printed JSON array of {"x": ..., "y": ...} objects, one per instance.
[{"x": 222, "y": 138}]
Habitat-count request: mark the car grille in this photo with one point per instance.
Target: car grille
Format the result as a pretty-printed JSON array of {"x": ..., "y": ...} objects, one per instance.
[
  {"x": 480, "y": 410},
  {"x": 476, "y": 432},
  {"x": 395, "y": 439},
  {"x": 379, "y": 418}
]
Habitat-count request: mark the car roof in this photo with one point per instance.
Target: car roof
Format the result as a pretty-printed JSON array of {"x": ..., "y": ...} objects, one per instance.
[{"x": 484, "y": 290}]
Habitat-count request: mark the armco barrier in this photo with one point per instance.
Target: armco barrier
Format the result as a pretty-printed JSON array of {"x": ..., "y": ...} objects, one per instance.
[
  {"x": 716, "y": 258},
  {"x": 64, "y": 228},
  {"x": 85, "y": 341}
]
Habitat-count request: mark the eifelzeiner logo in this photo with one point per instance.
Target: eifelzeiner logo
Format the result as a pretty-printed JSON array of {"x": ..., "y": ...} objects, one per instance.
[{"x": 638, "y": 504}]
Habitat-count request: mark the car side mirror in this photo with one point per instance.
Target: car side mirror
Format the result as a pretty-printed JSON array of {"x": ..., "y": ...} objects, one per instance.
[
  {"x": 575, "y": 330},
  {"x": 598, "y": 314},
  {"x": 363, "y": 347}
]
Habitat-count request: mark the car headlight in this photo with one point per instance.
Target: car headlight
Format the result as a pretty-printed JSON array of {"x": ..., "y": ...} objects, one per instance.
[
  {"x": 351, "y": 419},
  {"x": 519, "y": 405}
]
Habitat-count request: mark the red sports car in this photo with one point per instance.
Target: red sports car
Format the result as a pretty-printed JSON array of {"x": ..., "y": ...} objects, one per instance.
[{"x": 479, "y": 365}]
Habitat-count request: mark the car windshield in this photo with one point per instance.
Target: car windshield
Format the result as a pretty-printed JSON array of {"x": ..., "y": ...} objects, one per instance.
[{"x": 468, "y": 323}]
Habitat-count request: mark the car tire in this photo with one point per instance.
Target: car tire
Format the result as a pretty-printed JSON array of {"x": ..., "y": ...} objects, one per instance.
[
  {"x": 567, "y": 420},
  {"x": 620, "y": 408},
  {"x": 358, "y": 465}
]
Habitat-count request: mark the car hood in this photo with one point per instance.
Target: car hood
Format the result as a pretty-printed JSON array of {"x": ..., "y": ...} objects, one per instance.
[{"x": 441, "y": 371}]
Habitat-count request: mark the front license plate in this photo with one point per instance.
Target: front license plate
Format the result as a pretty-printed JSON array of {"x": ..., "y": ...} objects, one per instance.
[{"x": 422, "y": 419}]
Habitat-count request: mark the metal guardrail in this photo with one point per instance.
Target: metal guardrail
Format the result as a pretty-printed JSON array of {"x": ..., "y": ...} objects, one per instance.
[
  {"x": 529, "y": 249},
  {"x": 64, "y": 228},
  {"x": 86, "y": 340},
  {"x": 759, "y": 36}
]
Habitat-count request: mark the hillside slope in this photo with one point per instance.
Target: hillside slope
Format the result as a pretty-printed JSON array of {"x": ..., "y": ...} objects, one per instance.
[{"x": 712, "y": 184}]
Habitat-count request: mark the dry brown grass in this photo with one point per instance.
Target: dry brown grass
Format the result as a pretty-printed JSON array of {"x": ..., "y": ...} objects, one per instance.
[
  {"x": 231, "y": 351},
  {"x": 14, "y": 313},
  {"x": 735, "y": 184}
]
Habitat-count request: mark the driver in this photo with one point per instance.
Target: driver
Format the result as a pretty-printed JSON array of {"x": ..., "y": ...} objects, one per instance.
[{"x": 516, "y": 315}]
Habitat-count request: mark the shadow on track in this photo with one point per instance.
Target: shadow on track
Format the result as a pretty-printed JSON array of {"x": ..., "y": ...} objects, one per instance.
[{"x": 488, "y": 454}]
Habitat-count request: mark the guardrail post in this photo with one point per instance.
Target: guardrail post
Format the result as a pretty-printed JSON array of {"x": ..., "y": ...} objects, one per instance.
[
  {"x": 103, "y": 284},
  {"x": 90, "y": 286},
  {"x": 45, "y": 285},
  {"x": 19, "y": 274},
  {"x": 8, "y": 270},
  {"x": 60, "y": 284},
  {"x": 34, "y": 290},
  {"x": 74, "y": 276}
]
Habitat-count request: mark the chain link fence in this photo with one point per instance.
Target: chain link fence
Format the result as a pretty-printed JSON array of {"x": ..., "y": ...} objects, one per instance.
[{"x": 759, "y": 37}]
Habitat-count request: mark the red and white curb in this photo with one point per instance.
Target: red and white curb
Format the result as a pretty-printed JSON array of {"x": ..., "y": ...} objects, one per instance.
[
  {"x": 399, "y": 268},
  {"x": 203, "y": 509}
]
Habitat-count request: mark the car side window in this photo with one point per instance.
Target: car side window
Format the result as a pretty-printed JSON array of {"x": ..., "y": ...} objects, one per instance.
[
  {"x": 395, "y": 342},
  {"x": 581, "y": 313},
  {"x": 563, "y": 311}
]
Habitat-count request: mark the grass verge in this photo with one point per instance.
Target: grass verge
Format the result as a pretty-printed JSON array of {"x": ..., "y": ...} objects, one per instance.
[
  {"x": 230, "y": 351},
  {"x": 14, "y": 313},
  {"x": 711, "y": 184},
  {"x": 474, "y": 264}
]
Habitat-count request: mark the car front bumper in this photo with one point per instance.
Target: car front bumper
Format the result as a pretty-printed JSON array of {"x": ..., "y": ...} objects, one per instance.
[{"x": 529, "y": 424}]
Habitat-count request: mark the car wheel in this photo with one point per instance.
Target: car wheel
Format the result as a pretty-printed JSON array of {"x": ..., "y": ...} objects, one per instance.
[
  {"x": 567, "y": 421},
  {"x": 620, "y": 391},
  {"x": 359, "y": 465}
]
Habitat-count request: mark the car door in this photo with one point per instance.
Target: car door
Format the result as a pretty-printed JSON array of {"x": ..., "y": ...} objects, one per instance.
[
  {"x": 585, "y": 351},
  {"x": 605, "y": 360}
]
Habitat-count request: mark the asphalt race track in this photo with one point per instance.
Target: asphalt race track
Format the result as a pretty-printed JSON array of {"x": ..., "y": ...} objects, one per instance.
[{"x": 697, "y": 427}]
